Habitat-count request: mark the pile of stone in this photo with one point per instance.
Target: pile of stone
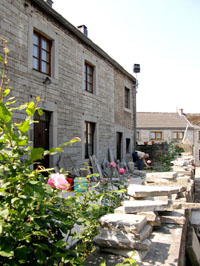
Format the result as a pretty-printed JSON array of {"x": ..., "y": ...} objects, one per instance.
[{"x": 124, "y": 234}]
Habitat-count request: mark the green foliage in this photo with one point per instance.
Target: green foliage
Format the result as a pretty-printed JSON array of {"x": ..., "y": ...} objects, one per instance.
[
  {"x": 36, "y": 220},
  {"x": 173, "y": 149}
]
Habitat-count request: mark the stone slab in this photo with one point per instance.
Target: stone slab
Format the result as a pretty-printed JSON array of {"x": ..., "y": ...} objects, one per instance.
[
  {"x": 145, "y": 232},
  {"x": 129, "y": 223},
  {"x": 150, "y": 216},
  {"x": 127, "y": 253},
  {"x": 164, "y": 250},
  {"x": 143, "y": 205},
  {"x": 119, "y": 240},
  {"x": 173, "y": 217},
  {"x": 148, "y": 191},
  {"x": 193, "y": 247},
  {"x": 151, "y": 177},
  {"x": 195, "y": 218}
]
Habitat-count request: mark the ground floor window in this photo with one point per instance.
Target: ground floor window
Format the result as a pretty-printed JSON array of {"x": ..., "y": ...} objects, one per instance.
[
  {"x": 89, "y": 138},
  {"x": 128, "y": 145},
  {"x": 156, "y": 135},
  {"x": 177, "y": 135}
]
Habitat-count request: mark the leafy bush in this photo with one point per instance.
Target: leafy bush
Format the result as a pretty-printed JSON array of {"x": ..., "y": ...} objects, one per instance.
[
  {"x": 36, "y": 220},
  {"x": 173, "y": 149}
]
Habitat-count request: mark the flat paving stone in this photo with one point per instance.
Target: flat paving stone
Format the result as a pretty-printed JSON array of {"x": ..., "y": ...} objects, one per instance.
[
  {"x": 143, "y": 205},
  {"x": 119, "y": 240},
  {"x": 138, "y": 191},
  {"x": 129, "y": 223}
]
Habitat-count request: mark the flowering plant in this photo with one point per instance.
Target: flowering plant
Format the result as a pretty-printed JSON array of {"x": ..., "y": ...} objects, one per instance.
[
  {"x": 58, "y": 181},
  {"x": 121, "y": 171}
]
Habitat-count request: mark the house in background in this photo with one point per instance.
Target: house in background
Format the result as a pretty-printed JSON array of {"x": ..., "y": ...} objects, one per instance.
[
  {"x": 159, "y": 127},
  {"x": 85, "y": 92}
]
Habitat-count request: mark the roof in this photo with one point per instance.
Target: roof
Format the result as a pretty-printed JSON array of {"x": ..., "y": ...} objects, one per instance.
[
  {"x": 194, "y": 119},
  {"x": 160, "y": 120},
  {"x": 42, "y": 6}
]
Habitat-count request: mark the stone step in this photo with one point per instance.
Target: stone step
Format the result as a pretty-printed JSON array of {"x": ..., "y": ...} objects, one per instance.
[
  {"x": 138, "y": 191},
  {"x": 119, "y": 240},
  {"x": 126, "y": 222}
]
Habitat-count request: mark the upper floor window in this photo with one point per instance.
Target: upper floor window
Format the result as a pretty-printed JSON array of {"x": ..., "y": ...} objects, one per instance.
[
  {"x": 178, "y": 135},
  {"x": 127, "y": 98},
  {"x": 89, "y": 138},
  {"x": 156, "y": 135},
  {"x": 41, "y": 53},
  {"x": 89, "y": 77}
]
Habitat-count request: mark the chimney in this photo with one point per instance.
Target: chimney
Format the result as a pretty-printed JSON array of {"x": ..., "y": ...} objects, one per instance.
[
  {"x": 49, "y": 2},
  {"x": 83, "y": 29},
  {"x": 180, "y": 111}
]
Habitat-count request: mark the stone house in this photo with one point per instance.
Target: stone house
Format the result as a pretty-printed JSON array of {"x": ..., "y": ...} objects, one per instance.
[
  {"x": 160, "y": 127},
  {"x": 84, "y": 92}
]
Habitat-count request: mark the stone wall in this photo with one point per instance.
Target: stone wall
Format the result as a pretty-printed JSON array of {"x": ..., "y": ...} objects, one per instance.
[{"x": 70, "y": 105}]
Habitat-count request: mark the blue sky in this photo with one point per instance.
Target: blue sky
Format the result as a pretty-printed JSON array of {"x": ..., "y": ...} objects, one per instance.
[{"x": 163, "y": 36}]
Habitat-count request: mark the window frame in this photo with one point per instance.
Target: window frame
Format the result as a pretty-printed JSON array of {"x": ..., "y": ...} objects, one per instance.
[
  {"x": 41, "y": 38},
  {"x": 156, "y": 133},
  {"x": 177, "y": 133},
  {"x": 128, "y": 145},
  {"x": 89, "y": 66},
  {"x": 126, "y": 98},
  {"x": 92, "y": 126}
]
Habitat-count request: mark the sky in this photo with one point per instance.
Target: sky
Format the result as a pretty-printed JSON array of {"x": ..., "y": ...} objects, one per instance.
[{"x": 163, "y": 36}]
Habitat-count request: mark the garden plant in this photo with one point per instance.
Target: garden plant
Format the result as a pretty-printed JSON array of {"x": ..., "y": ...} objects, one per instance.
[{"x": 37, "y": 219}]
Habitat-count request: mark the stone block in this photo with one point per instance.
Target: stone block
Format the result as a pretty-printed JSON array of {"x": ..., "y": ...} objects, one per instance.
[
  {"x": 193, "y": 247},
  {"x": 138, "y": 191},
  {"x": 195, "y": 218},
  {"x": 151, "y": 177},
  {"x": 119, "y": 240},
  {"x": 173, "y": 217},
  {"x": 150, "y": 216},
  {"x": 143, "y": 205},
  {"x": 120, "y": 210},
  {"x": 128, "y": 223}
]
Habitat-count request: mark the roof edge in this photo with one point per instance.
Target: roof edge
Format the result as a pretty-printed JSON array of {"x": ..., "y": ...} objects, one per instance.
[{"x": 44, "y": 7}]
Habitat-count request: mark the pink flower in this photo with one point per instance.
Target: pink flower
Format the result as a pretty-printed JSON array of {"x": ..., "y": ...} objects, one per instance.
[
  {"x": 178, "y": 146},
  {"x": 149, "y": 161},
  {"x": 113, "y": 164},
  {"x": 121, "y": 171},
  {"x": 58, "y": 181},
  {"x": 128, "y": 180}
]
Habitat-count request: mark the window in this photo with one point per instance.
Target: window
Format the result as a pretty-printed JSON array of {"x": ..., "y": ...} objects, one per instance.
[
  {"x": 177, "y": 135},
  {"x": 127, "y": 98},
  {"x": 89, "y": 77},
  {"x": 138, "y": 135},
  {"x": 128, "y": 144},
  {"x": 89, "y": 139},
  {"x": 156, "y": 135},
  {"x": 41, "y": 60}
]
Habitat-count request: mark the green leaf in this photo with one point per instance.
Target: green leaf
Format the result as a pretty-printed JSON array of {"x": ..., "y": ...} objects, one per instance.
[
  {"x": 30, "y": 110},
  {"x": 4, "y": 113},
  {"x": 36, "y": 154},
  {"x": 40, "y": 112},
  {"x": 6, "y": 92},
  {"x": 1, "y": 59},
  {"x": 24, "y": 127},
  {"x": 60, "y": 244},
  {"x": 40, "y": 255},
  {"x": 6, "y": 253}
]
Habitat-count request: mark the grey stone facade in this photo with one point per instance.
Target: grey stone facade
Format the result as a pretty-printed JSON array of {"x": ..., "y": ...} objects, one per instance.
[{"x": 65, "y": 98}]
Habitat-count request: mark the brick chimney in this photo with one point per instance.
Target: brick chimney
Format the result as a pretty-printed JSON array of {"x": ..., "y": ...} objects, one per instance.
[
  {"x": 83, "y": 29},
  {"x": 49, "y": 2}
]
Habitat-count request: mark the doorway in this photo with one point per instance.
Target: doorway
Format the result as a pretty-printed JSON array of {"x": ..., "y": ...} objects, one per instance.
[
  {"x": 41, "y": 134},
  {"x": 119, "y": 145}
]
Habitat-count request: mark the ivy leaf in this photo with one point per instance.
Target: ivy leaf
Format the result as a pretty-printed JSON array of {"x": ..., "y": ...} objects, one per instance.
[
  {"x": 4, "y": 113},
  {"x": 36, "y": 154},
  {"x": 6, "y": 92},
  {"x": 1, "y": 59},
  {"x": 24, "y": 127},
  {"x": 30, "y": 110}
]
